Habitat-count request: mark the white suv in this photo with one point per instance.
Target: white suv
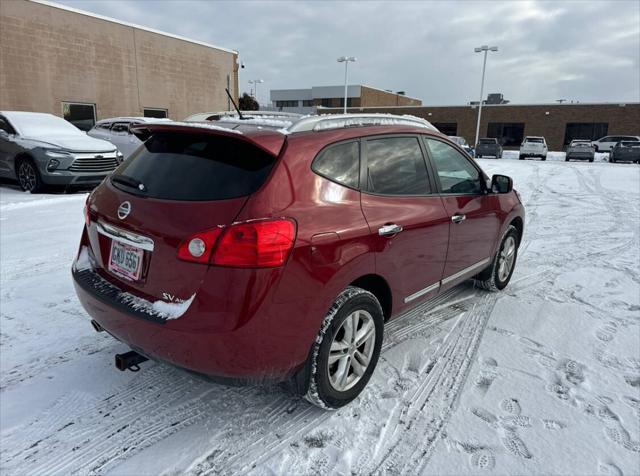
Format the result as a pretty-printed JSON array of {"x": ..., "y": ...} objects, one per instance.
[
  {"x": 605, "y": 144},
  {"x": 533, "y": 147}
]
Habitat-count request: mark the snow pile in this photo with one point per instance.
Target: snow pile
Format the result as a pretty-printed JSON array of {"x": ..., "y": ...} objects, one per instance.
[{"x": 84, "y": 260}]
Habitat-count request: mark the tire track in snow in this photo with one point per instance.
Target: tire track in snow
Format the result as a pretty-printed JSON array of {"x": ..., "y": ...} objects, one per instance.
[
  {"x": 235, "y": 457},
  {"x": 98, "y": 434},
  {"x": 428, "y": 407}
]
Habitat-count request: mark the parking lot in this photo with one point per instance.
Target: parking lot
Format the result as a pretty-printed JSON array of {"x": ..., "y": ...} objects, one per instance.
[{"x": 542, "y": 378}]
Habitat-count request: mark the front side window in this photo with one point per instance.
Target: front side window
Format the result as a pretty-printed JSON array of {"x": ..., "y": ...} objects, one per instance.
[
  {"x": 83, "y": 116},
  {"x": 456, "y": 174},
  {"x": 340, "y": 163},
  {"x": 395, "y": 166},
  {"x": 5, "y": 126}
]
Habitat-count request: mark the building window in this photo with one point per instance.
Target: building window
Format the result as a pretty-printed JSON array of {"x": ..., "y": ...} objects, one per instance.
[
  {"x": 349, "y": 102},
  {"x": 585, "y": 130},
  {"x": 307, "y": 103},
  {"x": 507, "y": 133},
  {"x": 81, "y": 115},
  {"x": 287, "y": 103},
  {"x": 326, "y": 102},
  {"x": 155, "y": 112},
  {"x": 447, "y": 128}
]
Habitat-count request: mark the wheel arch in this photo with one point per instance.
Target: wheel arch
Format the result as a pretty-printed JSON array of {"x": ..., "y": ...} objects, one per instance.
[
  {"x": 379, "y": 287},
  {"x": 519, "y": 226}
]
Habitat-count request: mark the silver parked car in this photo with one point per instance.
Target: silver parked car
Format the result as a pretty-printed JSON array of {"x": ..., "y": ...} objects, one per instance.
[
  {"x": 117, "y": 131},
  {"x": 580, "y": 150},
  {"x": 42, "y": 149}
]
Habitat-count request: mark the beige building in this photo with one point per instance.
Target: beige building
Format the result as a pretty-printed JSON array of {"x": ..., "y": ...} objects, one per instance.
[
  {"x": 86, "y": 67},
  {"x": 306, "y": 101}
]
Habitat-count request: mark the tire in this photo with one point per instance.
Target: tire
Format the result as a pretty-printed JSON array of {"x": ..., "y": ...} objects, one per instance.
[
  {"x": 28, "y": 175},
  {"x": 566, "y": 159},
  {"x": 323, "y": 380},
  {"x": 612, "y": 159},
  {"x": 591, "y": 159},
  {"x": 544, "y": 157},
  {"x": 521, "y": 157},
  {"x": 494, "y": 278},
  {"x": 478, "y": 156}
]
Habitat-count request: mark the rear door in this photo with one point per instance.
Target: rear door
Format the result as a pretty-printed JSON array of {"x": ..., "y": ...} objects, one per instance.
[
  {"x": 179, "y": 184},
  {"x": 408, "y": 222},
  {"x": 473, "y": 214}
]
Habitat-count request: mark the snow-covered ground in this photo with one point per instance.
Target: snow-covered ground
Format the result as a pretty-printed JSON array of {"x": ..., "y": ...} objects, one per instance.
[{"x": 543, "y": 378}]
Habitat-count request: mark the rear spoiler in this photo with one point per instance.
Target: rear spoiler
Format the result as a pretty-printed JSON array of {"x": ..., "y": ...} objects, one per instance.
[{"x": 268, "y": 140}]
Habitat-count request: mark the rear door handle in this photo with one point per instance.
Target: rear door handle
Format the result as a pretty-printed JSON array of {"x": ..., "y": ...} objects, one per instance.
[
  {"x": 388, "y": 230},
  {"x": 458, "y": 218}
]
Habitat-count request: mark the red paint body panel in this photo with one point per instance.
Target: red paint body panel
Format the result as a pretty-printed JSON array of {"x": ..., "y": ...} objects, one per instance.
[{"x": 261, "y": 323}]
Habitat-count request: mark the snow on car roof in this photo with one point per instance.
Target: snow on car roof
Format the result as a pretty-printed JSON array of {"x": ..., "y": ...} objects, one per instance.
[
  {"x": 38, "y": 123},
  {"x": 134, "y": 118}
]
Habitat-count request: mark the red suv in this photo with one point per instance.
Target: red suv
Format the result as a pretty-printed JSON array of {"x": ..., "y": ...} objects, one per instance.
[{"x": 251, "y": 254}]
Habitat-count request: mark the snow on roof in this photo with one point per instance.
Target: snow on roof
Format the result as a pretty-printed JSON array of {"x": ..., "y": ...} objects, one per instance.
[
  {"x": 267, "y": 121},
  {"x": 132, "y": 25},
  {"x": 201, "y": 125},
  {"x": 337, "y": 121}
]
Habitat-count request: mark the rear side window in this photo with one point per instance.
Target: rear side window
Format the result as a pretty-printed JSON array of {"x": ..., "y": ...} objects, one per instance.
[
  {"x": 395, "y": 166},
  {"x": 340, "y": 163},
  {"x": 176, "y": 166}
]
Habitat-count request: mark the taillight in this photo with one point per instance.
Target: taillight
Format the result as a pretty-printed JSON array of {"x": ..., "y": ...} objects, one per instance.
[
  {"x": 198, "y": 247},
  {"x": 254, "y": 244}
]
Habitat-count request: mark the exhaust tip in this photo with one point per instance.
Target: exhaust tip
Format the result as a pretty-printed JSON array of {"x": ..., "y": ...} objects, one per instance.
[{"x": 97, "y": 327}]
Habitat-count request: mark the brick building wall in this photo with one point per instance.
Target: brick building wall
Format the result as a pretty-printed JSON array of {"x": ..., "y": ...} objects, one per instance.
[
  {"x": 49, "y": 55},
  {"x": 549, "y": 121},
  {"x": 376, "y": 97}
]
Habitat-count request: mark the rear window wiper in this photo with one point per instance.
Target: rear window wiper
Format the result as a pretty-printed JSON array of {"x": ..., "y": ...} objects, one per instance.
[{"x": 129, "y": 181}]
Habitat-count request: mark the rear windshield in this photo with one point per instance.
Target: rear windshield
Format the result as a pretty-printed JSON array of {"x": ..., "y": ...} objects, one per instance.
[
  {"x": 487, "y": 141},
  {"x": 177, "y": 166},
  {"x": 534, "y": 139}
]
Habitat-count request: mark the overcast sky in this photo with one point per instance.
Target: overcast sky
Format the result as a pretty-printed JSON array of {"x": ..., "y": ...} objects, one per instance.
[{"x": 581, "y": 51}]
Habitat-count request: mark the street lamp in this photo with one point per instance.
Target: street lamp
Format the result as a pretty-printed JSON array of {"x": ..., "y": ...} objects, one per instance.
[
  {"x": 486, "y": 49},
  {"x": 255, "y": 82},
  {"x": 345, "y": 60}
]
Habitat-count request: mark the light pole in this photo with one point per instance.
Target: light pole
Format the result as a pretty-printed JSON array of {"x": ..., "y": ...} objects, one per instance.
[
  {"x": 486, "y": 49},
  {"x": 255, "y": 83},
  {"x": 345, "y": 60}
]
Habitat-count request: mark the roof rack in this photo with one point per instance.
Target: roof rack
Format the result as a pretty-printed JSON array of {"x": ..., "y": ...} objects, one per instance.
[{"x": 340, "y": 121}]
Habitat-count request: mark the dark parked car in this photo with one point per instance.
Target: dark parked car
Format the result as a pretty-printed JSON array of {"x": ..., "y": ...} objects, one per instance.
[
  {"x": 265, "y": 255},
  {"x": 625, "y": 151},
  {"x": 580, "y": 150},
  {"x": 488, "y": 147},
  {"x": 42, "y": 149}
]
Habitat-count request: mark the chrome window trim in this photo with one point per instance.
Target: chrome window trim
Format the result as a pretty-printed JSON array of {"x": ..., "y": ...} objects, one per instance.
[{"x": 124, "y": 236}]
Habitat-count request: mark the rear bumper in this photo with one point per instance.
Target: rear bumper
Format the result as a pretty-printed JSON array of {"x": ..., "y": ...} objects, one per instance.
[
  {"x": 266, "y": 348},
  {"x": 580, "y": 155}
]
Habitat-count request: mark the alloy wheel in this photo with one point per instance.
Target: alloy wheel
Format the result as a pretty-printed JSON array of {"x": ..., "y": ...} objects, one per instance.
[
  {"x": 507, "y": 257},
  {"x": 27, "y": 176},
  {"x": 351, "y": 350}
]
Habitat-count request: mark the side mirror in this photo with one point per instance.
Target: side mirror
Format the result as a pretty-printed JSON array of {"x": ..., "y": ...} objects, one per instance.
[{"x": 501, "y": 184}]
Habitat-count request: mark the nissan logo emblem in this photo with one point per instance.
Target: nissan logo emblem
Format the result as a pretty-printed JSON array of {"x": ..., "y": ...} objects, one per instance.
[{"x": 123, "y": 210}]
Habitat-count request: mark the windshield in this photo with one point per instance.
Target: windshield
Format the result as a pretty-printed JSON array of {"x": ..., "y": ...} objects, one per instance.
[
  {"x": 534, "y": 139},
  {"x": 37, "y": 125}
]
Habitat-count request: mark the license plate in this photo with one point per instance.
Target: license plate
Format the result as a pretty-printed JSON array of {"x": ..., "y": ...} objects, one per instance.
[{"x": 125, "y": 260}]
